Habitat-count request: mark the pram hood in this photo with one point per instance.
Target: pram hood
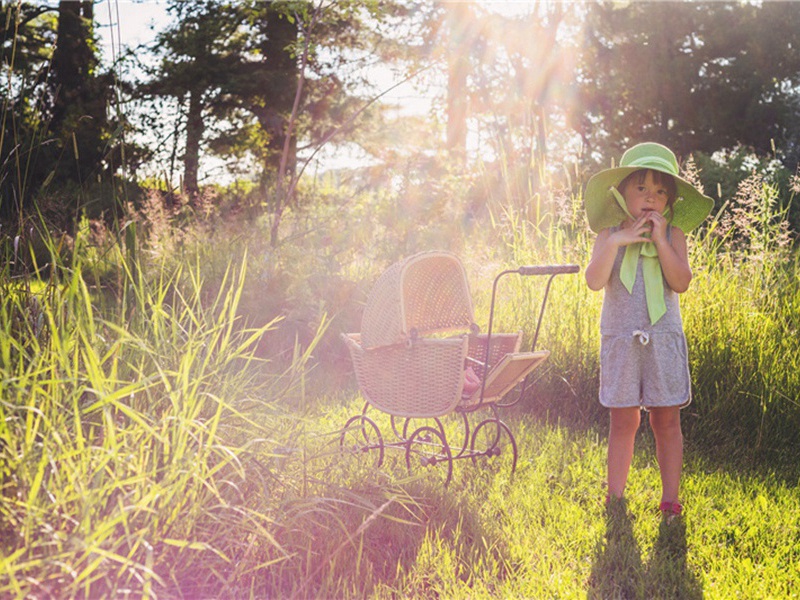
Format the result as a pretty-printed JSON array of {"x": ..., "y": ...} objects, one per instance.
[{"x": 422, "y": 294}]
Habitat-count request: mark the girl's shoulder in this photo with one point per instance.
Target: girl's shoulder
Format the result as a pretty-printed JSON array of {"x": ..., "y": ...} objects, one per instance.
[{"x": 675, "y": 233}]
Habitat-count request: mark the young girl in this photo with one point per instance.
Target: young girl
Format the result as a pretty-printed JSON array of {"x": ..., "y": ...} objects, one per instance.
[{"x": 641, "y": 212}]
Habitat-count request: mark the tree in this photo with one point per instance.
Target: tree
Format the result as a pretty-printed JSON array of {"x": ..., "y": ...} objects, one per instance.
[
  {"x": 55, "y": 125},
  {"x": 200, "y": 54},
  {"x": 26, "y": 37},
  {"x": 521, "y": 89},
  {"x": 78, "y": 95},
  {"x": 694, "y": 76},
  {"x": 237, "y": 67},
  {"x": 505, "y": 76},
  {"x": 462, "y": 35},
  {"x": 276, "y": 40},
  {"x": 287, "y": 85}
]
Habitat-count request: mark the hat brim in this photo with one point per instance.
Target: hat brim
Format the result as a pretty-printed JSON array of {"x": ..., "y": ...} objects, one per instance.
[{"x": 690, "y": 209}]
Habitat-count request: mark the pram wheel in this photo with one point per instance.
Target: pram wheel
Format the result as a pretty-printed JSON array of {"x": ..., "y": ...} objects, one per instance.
[
  {"x": 492, "y": 438},
  {"x": 411, "y": 424},
  {"x": 427, "y": 447},
  {"x": 359, "y": 436}
]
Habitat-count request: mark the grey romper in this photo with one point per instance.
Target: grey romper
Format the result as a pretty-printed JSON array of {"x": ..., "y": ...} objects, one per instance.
[{"x": 641, "y": 364}]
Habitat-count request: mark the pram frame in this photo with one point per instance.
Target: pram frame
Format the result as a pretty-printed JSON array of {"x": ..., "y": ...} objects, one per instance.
[{"x": 493, "y": 354}]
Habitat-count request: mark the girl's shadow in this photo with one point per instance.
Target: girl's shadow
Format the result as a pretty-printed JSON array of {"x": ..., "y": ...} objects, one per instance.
[
  {"x": 618, "y": 571},
  {"x": 667, "y": 573}
]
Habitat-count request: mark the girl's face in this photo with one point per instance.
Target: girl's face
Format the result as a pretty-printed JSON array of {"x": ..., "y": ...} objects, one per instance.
[{"x": 644, "y": 194}]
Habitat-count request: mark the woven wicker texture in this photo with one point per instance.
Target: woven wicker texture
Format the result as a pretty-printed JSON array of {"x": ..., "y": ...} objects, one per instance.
[
  {"x": 424, "y": 380},
  {"x": 424, "y": 294},
  {"x": 427, "y": 292}
]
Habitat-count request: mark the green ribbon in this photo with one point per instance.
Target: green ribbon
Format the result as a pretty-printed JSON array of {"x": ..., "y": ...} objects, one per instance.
[{"x": 651, "y": 269}]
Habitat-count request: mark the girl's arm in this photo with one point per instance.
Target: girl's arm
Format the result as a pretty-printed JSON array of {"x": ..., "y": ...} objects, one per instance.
[
  {"x": 605, "y": 249},
  {"x": 598, "y": 270},
  {"x": 672, "y": 254}
]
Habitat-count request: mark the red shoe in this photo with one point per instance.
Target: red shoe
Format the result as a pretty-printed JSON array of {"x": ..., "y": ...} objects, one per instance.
[{"x": 670, "y": 510}]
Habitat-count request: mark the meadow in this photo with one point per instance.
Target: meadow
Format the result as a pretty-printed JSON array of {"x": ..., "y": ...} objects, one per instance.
[{"x": 173, "y": 391}]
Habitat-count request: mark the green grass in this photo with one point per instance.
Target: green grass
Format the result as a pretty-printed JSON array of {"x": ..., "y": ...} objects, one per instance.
[
  {"x": 172, "y": 394},
  {"x": 546, "y": 533},
  {"x": 162, "y": 436}
]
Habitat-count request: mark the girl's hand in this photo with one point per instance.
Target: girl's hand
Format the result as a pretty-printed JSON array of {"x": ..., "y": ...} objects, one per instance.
[
  {"x": 658, "y": 223},
  {"x": 626, "y": 236}
]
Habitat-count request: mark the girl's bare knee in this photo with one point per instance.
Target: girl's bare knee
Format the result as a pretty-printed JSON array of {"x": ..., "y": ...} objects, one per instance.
[
  {"x": 665, "y": 420},
  {"x": 625, "y": 421}
]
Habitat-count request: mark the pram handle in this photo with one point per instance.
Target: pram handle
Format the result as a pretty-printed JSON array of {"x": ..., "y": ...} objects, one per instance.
[
  {"x": 552, "y": 271},
  {"x": 548, "y": 269}
]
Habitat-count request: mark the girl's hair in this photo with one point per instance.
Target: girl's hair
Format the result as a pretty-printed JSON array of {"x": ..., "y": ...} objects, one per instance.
[{"x": 659, "y": 178}]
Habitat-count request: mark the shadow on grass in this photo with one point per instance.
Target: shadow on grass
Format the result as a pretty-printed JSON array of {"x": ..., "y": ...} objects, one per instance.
[
  {"x": 383, "y": 539},
  {"x": 619, "y": 573},
  {"x": 667, "y": 573}
]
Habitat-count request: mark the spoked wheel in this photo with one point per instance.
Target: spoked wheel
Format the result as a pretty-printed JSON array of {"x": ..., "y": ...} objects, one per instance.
[
  {"x": 359, "y": 436},
  {"x": 491, "y": 440},
  {"x": 427, "y": 449}
]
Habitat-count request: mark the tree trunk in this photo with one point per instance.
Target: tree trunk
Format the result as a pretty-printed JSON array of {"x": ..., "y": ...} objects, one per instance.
[
  {"x": 194, "y": 134},
  {"x": 78, "y": 110},
  {"x": 282, "y": 79},
  {"x": 73, "y": 59}
]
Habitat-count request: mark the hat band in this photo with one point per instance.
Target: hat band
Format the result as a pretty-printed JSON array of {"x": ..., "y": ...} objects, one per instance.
[{"x": 654, "y": 162}]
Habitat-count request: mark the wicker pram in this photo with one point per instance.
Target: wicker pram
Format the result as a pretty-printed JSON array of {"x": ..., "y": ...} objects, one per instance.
[{"x": 406, "y": 365}]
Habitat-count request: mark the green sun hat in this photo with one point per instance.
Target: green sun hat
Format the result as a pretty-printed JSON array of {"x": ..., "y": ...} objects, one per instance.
[{"x": 602, "y": 210}]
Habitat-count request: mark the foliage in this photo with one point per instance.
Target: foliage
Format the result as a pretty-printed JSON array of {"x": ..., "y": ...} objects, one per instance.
[
  {"x": 197, "y": 57},
  {"x": 77, "y": 99},
  {"x": 27, "y": 36},
  {"x": 722, "y": 173},
  {"x": 61, "y": 144},
  {"x": 235, "y": 69},
  {"x": 641, "y": 81},
  {"x": 173, "y": 392}
]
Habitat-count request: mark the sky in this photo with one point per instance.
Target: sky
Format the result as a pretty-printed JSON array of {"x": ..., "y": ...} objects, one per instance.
[{"x": 125, "y": 23}]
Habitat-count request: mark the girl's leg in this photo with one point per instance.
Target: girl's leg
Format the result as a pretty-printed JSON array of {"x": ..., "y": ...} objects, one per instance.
[
  {"x": 624, "y": 424},
  {"x": 666, "y": 425}
]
